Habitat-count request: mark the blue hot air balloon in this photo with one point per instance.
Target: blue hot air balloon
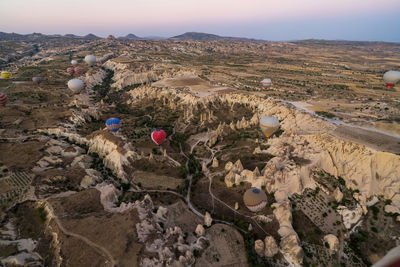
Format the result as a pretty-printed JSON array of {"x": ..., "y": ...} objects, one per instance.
[{"x": 113, "y": 124}]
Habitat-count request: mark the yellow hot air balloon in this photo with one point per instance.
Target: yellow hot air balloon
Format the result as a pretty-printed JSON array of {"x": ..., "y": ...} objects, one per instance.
[
  {"x": 269, "y": 125},
  {"x": 5, "y": 75}
]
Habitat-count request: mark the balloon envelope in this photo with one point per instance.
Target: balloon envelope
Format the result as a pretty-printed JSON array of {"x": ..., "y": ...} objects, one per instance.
[
  {"x": 98, "y": 63},
  {"x": 113, "y": 124},
  {"x": 269, "y": 125},
  {"x": 266, "y": 83},
  {"x": 158, "y": 136},
  {"x": 5, "y": 74},
  {"x": 37, "y": 80},
  {"x": 70, "y": 71},
  {"x": 74, "y": 63},
  {"x": 90, "y": 60},
  {"x": 391, "y": 77},
  {"x": 75, "y": 85},
  {"x": 255, "y": 199},
  {"x": 3, "y": 99},
  {"x": 78, "y": 70}
]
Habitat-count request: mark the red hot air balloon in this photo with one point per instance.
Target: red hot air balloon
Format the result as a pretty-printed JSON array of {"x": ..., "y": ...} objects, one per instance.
[
  {"x": 70, "y": 71},
  {"x": 78, "y": 70},
  {"x": 98, "y": 63},
  {"x": 158, "y": 136}
]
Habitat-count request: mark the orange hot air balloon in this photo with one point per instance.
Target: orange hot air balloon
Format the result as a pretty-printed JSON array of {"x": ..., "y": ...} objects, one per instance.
[
  {"x": 70, "y": 71},
  {"x": 78, "y": 70}
]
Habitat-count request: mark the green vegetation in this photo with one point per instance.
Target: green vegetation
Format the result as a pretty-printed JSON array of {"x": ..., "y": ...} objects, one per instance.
[{"x": 325, "y": 114}]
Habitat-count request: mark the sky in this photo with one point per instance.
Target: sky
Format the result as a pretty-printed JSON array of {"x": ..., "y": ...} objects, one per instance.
[{"x": 370, "y": 20}]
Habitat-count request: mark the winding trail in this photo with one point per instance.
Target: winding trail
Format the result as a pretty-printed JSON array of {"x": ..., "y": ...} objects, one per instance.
[{"x": 103, "y": 251}]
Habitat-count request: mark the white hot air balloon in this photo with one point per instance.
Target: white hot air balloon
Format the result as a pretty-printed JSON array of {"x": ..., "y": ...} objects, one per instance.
[
  {"x": 391, "y": 78},
  {"x": 75, "y": 85},
  {"x": 90, "y": 60},
  {"x": 74, "y": 63},
  {"x": 266, "y": 83},
  {"x": 269, "y": 125}
]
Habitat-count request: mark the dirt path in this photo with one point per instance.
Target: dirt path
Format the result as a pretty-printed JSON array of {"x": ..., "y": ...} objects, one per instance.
[{"x": 103, "y": 251}]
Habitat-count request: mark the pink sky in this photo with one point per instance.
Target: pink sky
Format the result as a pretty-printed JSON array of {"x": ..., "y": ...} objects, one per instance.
[{"x": 141, "y": 16}]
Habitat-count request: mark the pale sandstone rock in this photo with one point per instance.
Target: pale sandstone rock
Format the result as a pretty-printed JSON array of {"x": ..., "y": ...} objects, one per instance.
[
  {"x": 350, "y": 217},
  {"x": 292, "y": 250},
  {"x": 332, "y": 241},
  {"x": 204, "y": 167},
  {"x": 228, "y": 166},
  {"x": 259, "y": 247},
  {"x": 200, "y": 230},
  {"x": 271, "y": 248},
  {"x": 207, "y": 219},
  {"x": 338, "y": 195},
  {"x": 215, "y": 163}
]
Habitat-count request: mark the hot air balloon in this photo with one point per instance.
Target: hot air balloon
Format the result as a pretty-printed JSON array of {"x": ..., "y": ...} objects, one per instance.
[
  {"x": 158, "y": 136},
  {"x": 37, "y": 80},
  {"x": 74, "y": 63},
  {"x": 90, "y": 60},
  {"x": 98, "y": 63},
  {"x": 255, "y": 199},
  {"x": 266, "y": 83},
  {"x": 391, "y": 78},
  {"x": 5, "y": 75},
  {"x": 75, "y": 85},
  {"x": 3, "y": 99},
  {"x": 113, "y": 124},
  {"x": 269, "y": 125},
  {"x": 70, "y": 71},
  {"x": 78, "y": 71}
]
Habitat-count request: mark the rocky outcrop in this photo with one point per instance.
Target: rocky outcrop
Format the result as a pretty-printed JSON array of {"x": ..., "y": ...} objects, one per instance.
[
  {"x": 207, "y": 219},
  {"x": 291, "y": 249},
  {"x": 350, "y": 217},
  {"x": 338, "y": 195},
  {"x": 200, "y": 230},
  {"x": 332, "y": 241},
  {"x": 271, "y": 248},
  {"x": 259, "y": 247},
  {"x": 115, "y": 152}
]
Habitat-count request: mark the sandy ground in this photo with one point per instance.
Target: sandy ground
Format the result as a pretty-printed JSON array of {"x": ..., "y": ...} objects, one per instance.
[
  {"x": 375, "y": 140},
  {"x": 152, "y": 180},
  {"x": 226, "y": 248},
  {"x": 198, "y": 86}
]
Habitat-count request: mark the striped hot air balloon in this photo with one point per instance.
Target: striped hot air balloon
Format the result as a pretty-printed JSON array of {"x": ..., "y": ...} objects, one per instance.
[
  {"x": 255, "y": 199},
  {"x": 266, "y": 83},
  {"x": 70, "y": 71},
  {"x": 113, "y": 124},
  {"x": 158, "y": 136},
  {"x": 78, "y": 71},
  {"x": 391, "y": 78},
  {"x": 3, "y": 99}
]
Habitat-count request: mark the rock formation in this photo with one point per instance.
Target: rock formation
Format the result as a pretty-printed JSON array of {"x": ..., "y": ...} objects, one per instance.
[
  {"x": 271, "y": 248},
  {"x": 332, "y": 241},
  {"x": 207, "y": 219}
]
